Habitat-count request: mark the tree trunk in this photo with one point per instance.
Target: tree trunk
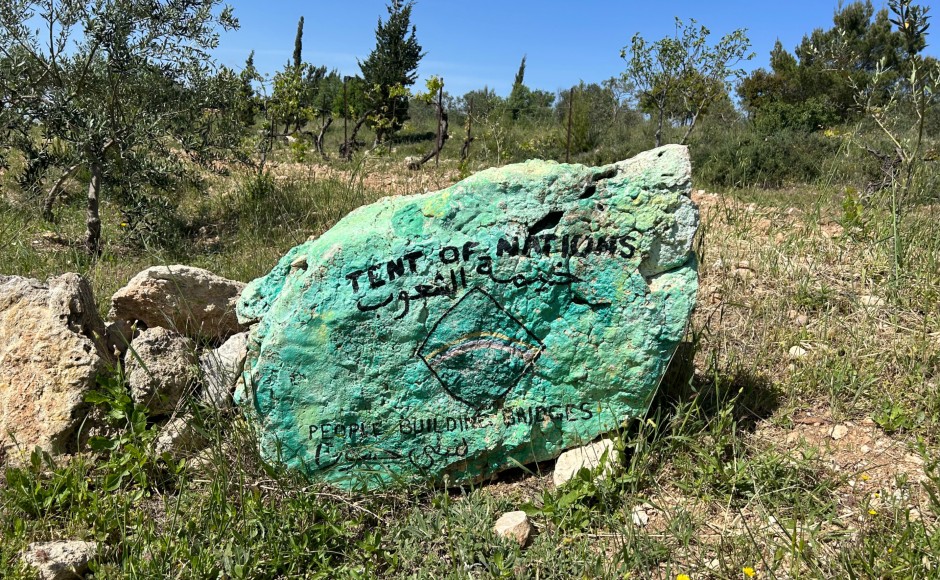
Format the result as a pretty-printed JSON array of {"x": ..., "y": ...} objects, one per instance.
[
  {"x": 267, "y": 144},
  {"x": 54, "y": 193},
  {"x": 689, "y": 130},
  {"x": 442, "y": 136},
  {"x": 92, "y": 218},
  {"x": 465, "y": 150},
  {"x": 318, "y": 142},
  {"x": 349, "y": 146},
  {"x": 37, "y": 161},
  {"x": 659, "y": 127},
  {"x": 57, "y": 186},
  {"x": 568, "y": 140}
]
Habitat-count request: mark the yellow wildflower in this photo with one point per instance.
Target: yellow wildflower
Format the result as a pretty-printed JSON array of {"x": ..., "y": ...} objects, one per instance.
[
  {"x": 748, "y": 571},
  {"x": 872, "y": 512},
  {"x": 683, "y": 577},
  {"x": 865, "y": 477}
]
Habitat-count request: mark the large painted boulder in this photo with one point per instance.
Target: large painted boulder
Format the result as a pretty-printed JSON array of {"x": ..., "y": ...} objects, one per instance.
[{"x": 520, "y": 312}]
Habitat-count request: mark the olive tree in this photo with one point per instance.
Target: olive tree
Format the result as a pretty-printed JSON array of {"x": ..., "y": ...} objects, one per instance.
[
  {"x": 680, "y": 76},
  {"x": 107, "y": 80}
]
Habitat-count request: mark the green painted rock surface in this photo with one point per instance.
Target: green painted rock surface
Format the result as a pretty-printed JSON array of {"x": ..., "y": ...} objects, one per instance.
[{"x": 522, "y": 311}]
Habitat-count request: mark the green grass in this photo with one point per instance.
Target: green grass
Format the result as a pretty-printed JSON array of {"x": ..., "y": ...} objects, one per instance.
[{"x": 229, "y": 515}]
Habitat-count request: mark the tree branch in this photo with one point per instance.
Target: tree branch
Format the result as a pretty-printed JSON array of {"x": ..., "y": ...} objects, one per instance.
[{"x": 54, "y": 192}]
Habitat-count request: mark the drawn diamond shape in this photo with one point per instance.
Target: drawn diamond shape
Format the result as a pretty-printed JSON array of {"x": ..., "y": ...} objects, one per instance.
[{"x": 478, "y": 351}]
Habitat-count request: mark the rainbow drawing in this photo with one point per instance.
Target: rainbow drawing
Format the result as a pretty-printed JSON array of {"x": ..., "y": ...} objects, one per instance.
[{"x": 478, "y": 351}]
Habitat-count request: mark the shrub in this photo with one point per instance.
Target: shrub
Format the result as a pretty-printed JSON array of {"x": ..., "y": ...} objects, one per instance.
[{"x": 740, "y": 157}]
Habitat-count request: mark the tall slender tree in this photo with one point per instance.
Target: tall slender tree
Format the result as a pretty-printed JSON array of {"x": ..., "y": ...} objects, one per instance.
[
  {"x": 519, "y": 96},
  {"x": 299, "y": 43},
  {"x": 520, "y": 74},
  {"x": 391, "y": 67}
]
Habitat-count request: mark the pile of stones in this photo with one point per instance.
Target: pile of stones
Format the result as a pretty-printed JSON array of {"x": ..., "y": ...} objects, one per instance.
[{"x": 171, "y": 333}]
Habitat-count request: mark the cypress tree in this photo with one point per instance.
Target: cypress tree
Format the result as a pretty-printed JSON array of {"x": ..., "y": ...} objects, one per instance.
[
  {"x": 520, "y": 74},
  {"x": 392, "y": 63},
  {"x": 299, "y": 44},
  {"x": 519, "y": 97}
]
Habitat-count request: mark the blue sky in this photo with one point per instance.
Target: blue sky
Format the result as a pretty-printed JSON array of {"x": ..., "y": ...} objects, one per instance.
[{"x": 472, "y": 43}]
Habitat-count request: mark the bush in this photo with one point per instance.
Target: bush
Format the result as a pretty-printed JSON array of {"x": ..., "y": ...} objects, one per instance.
[{"x": 739, "y": 156}]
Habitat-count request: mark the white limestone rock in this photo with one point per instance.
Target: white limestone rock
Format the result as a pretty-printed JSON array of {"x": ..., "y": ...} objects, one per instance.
[{"x": 588, "y": 457}]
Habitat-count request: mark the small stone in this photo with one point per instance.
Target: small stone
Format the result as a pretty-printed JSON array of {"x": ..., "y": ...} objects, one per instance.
[
  {"x": 588, "y": 457},
  {"x": 54, "y": 238},
  {"x": 161, "y": 367},
  {"x": 832, "y": 230},
  {"x": 640, "y": 517},
  {"x": 839, "y": 431},
  {"x": 744, "y": 274},
  {"x": 865, "y": 449},
  {"x": 60, "y": 560},
  {"x": 801, "y": 320},
  {"x": 180, "y": 436},
  {"x": 871, "y": 301},
  {"x": 514, "y": 526},
  {"x": 797, "y": 351}
]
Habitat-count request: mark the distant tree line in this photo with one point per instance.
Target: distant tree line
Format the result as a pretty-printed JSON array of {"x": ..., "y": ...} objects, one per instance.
[{"x": 122, "y": 95}]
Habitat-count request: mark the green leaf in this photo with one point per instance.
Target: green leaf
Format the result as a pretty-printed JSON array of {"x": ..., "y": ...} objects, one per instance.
[{"x": 96, "y": 398}]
